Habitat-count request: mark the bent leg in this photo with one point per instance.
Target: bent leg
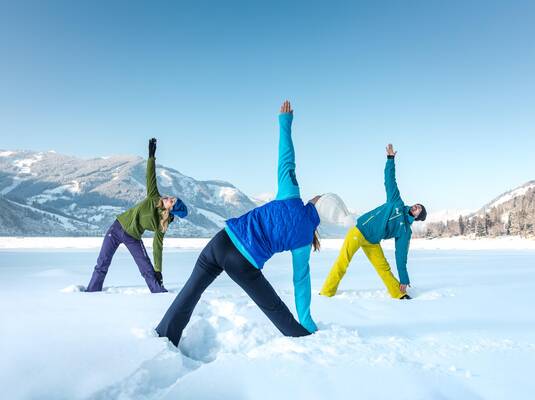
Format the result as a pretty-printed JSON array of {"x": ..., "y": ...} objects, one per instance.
[
  {"x": 375, "y": 254},
  {"x": 339, "y": 268},
  {"x": 179, "y": 313},
  {"x": 138, "y": 251},
  {"x": 109, "y": 247},
  {"x": 253, "y": 282}
]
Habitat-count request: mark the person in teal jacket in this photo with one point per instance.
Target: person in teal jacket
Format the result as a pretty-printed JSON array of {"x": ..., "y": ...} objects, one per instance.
[
  {"x": 392, "y": 219},
  {"x": 247, "y": 242}
]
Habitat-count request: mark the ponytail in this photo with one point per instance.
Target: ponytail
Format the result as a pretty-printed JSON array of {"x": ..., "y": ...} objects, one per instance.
[
  {"x": 316, "y": 241},
  {"x": 165, "y": 216}
]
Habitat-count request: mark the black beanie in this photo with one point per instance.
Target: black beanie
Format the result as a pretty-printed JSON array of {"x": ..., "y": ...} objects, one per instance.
[{"x": 423, "y": 214}]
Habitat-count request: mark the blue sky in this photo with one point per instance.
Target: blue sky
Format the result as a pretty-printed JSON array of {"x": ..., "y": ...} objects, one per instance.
[{"x": 450, "y": 84}]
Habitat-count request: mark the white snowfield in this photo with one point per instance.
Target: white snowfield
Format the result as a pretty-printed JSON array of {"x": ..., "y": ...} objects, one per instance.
[
  {"x": 454, "y": 243},
  {"x": 469, "y": 332}
]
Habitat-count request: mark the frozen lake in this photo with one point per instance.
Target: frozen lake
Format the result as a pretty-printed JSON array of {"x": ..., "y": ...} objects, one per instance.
[{"x": 469, "y": 333}]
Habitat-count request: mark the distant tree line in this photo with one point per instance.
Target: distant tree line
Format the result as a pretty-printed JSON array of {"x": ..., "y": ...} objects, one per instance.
[{"x": 515, "y": 217}]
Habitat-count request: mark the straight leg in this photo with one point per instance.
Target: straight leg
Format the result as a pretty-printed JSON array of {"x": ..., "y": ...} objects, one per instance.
[
  {"x": 179, "y": 313},
  {"x": 339, "y": 268},
  {"x": 138, "y": 251},
  {"x": 109, "y": 246},
  {"x": 253, "y": 282},
  {"x": 375, "y": 254}
]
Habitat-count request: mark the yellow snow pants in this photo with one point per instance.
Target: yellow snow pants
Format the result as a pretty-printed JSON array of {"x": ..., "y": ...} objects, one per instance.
[{"x": 353, "y": 241}]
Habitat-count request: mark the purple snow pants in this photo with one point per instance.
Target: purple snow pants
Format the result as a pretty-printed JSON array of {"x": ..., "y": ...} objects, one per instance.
[{"x": 114, "y": 237}]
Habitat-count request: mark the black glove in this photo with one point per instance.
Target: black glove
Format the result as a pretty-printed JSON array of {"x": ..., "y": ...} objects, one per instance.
[
  {"x": 152, "y": 147},
  {"x": 159, "y": 277}
]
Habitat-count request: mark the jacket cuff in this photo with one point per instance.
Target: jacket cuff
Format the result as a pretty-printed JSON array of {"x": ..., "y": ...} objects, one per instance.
[
  {"x": 404, "y": 280},
  {"x": 310, "y": 325},
  {"x": 286, "y": 118}
]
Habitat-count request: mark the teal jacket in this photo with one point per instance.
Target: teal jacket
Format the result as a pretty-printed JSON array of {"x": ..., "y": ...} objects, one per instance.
[
  {"x": 390, "y": 220},
  {"x": 283, "y": 224}
]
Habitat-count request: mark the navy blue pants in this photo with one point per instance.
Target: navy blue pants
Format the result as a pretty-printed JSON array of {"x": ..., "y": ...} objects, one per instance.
[
  {"x": 114, "y": 237},
  {"x": 220, "y": 255}
]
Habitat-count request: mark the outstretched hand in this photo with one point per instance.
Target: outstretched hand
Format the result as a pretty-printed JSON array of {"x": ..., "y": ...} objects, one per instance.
[
  {"x": 159, "y": 277},
  {"x": 390, "y": 150},
  {"x": 152, "y": 147},
  {"x": 286, "y": 108}
]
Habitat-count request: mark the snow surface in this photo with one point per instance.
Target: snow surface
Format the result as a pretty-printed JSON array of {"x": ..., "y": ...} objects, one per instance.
[
  {"x": 469, "y": 333},
  {"x": 171, "y": 244}
]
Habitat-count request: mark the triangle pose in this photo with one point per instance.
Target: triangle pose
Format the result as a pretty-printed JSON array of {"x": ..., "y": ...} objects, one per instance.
[
  {"x": 249, "y": 241},
  {"x": 390, "y": 220},
  {"x": 154, "y": 213}
]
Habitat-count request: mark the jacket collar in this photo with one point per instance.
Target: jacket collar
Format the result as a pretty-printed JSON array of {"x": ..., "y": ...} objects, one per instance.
[{"x": 410, "y": 218}]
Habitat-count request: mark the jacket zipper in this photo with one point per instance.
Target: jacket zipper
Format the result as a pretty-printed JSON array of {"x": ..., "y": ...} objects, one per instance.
[
  {"x": 394, "y": 217},
  {"x": 372, "y": 217}
]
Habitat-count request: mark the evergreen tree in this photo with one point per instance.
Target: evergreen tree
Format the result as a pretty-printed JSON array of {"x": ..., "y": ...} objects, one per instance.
[{"x": 461, "y": 225}]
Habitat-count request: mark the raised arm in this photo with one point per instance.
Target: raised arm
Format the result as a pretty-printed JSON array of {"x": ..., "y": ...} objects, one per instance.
[
  {"x": 287, "y": 182},
  {"x": 152, "y": 185},
  {"x": 402, "y": 249},
  {"x": 391, "y": 186},
  {"x": 301, "y": 280},
  {"x": 157, "y": 246}
]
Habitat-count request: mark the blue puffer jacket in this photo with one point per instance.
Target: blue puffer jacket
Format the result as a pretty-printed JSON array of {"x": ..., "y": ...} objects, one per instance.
[
  {"x": 390, "y": 220},
  {"x": 277, "y": 226},
  {"x": 282, "y": 224}
]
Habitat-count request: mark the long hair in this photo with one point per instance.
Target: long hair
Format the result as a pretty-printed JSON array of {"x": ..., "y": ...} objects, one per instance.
[
  {"x": 165, "y": 216},
  {"x": 316, "y": 241}
]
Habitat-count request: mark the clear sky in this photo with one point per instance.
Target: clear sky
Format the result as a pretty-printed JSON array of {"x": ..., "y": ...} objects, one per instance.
[{"x": 450, "y": 84}]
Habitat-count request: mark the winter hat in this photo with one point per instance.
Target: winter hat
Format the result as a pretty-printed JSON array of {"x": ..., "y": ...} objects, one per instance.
[
  {"x": 332, "y": 210},
  {"x": 179, "y": 209},
  {"x": 423, "y": 214}
]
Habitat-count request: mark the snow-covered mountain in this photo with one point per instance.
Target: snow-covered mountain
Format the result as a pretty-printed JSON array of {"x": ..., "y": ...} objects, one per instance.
[
  {"x": 508, "y": 196},
  {"x": 46, "y": 193},
  {"x": 511, "y": 213}
]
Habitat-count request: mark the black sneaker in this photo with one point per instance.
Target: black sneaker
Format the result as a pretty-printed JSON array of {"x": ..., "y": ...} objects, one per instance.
[{"x": 405, "y": 297}]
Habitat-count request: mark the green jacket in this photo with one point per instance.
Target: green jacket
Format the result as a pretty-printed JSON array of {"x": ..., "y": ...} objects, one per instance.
[{"x": 145, "y": 216}]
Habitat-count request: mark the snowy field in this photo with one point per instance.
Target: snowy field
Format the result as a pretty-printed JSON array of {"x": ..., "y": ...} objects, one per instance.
[{"x": 469, "y": 333}]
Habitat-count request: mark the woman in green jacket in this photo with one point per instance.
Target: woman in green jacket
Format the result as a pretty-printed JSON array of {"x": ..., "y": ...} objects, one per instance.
[{"x": 154, "y": 214}]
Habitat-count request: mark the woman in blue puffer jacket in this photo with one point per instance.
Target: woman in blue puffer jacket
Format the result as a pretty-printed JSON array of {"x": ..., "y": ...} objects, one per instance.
[{"x": 247, "y": 242}]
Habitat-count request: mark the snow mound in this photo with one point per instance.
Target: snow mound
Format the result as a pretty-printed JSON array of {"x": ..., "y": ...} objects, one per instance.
[{"x": 73, "y": 289}]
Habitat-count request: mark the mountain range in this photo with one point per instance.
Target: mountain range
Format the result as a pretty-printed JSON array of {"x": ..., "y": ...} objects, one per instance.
[
  {"x": 51, "y": 194},
  {"x": 46, "y": 193}
]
